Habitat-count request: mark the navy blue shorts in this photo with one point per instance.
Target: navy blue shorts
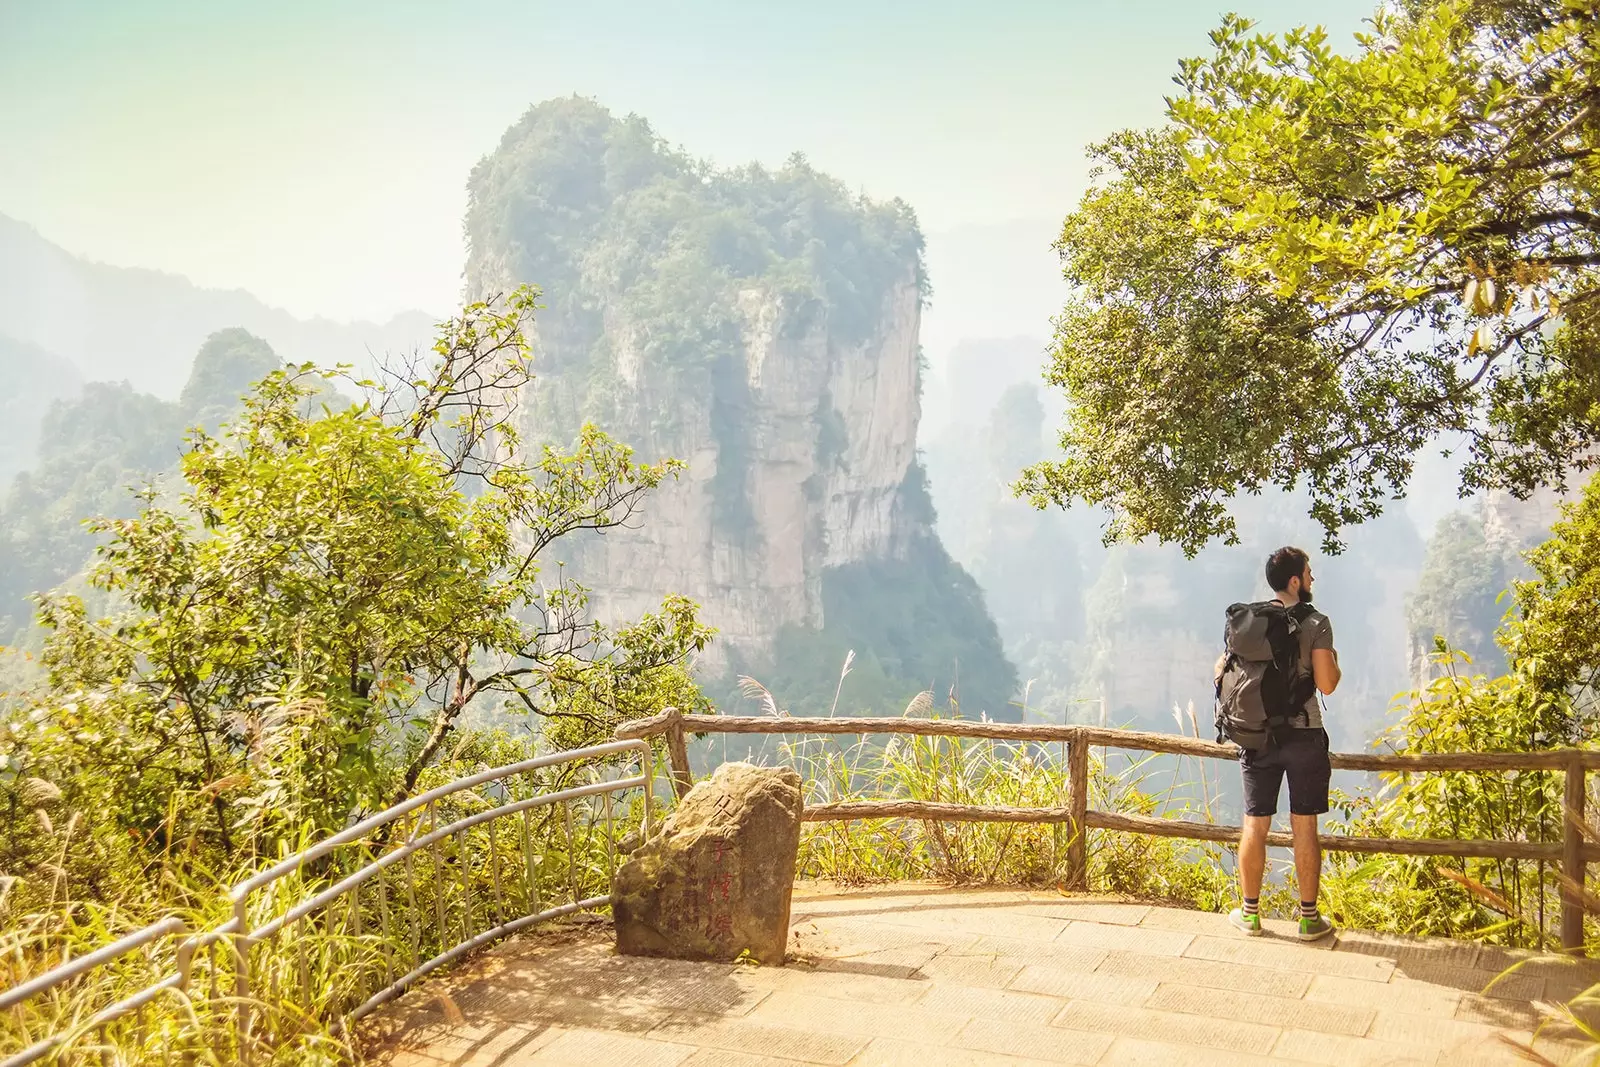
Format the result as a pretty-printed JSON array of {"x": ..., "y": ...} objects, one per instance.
[{"x": 1302, "y": 756}]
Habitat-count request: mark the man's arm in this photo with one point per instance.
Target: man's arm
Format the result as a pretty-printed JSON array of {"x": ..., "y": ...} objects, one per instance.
[{"x": 1324, "y": 660}]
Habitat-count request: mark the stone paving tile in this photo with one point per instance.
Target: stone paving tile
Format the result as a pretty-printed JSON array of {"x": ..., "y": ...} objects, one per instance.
[
  {"x": 1290, "y": 957},
  {"x": 927, "y": 977},
  {"x": 1274, "y": 1011},
  {"x": 904, "y": 963},
  {"x": 1053, "y": 953},
  {"x": 944, "y": 894},
  {"x": 585, "y": 1048},
  {"x": 1562, "y": 990},
  {"x": 1394, "y": 995},
  {"x": 582, "y": 1006},
  {"x": 450, "y": 1044},
  {"x": 874, "y": 932},
  {"x": 822, "y": 889},
  {"x": 964, "y": 968},
  {"x": 994, "y": 1004},
  {"x": 1544, "y": 965},
  {"x": 1078, "y": 985},
  {"x": 870, "y": 947},
  {"x": 1091, "y": 911},
  {"x": 979, "y": 920},
  {"x": 759, "y": 1039},
  {"x": 721, "y": 1057},
  {"x": 1408, "y": 950},
  {"x": 1139, "y": 1052},
  {"x": 1215, "y": 924},
  {"x": 1172, "y": 1027},
  {"x": 805, "y": 903},
  {"x": 1184, "y": 921},
  {"x": 408, "y": 1059},
  {"x": 1516, "y": 986},
  {"x": 1211, "y": 974},
  {"x": 1500, "y": 1053},
  {"x": 1403, "y": 1028},
  {"x": 1498, "y": 1011},
  {"x": 512, "y": 1045},
  {"x": 900, "y": 1021},
  {"x": 463, "y": 1045},
  {"x": 1050, "y": 1043},
  {"x": 1337, "y": 1050},
  {"x": 1125, "y": 939},
  {"x": 886, "y": 1053},
  {"x": 833, "y": 984}
]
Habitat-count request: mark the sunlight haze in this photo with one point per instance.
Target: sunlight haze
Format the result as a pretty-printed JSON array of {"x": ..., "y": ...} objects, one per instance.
[{"x": 317, "y": 155}]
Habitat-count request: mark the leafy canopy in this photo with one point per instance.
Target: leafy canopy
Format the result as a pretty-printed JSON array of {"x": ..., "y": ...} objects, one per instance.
[
  {"x": 1325, "y": 262},
  {"x": 293, "y": 640}
]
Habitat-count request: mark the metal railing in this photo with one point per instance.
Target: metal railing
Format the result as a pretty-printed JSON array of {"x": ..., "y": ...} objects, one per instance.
[
  {"x": 1570, "y": 856},
  {"x": 432, "y": 879}
]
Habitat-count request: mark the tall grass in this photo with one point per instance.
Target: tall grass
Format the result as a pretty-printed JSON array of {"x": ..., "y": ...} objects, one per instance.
[
  {"x": 308, "y": 976},
  {"x": 991, "y": 773}
]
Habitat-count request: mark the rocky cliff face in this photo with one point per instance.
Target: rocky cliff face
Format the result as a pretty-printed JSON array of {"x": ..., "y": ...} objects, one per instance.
[
  {"x": 809, "y": 479},
  {"x": 763, "y": 328}
]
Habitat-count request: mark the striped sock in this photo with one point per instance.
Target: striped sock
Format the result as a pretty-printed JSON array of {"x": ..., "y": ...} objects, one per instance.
[
  {"x": 1252, "y": 906},
  {"x": 1308, "y": 909}
]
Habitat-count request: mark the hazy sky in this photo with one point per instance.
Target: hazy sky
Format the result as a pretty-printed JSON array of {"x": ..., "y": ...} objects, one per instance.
[{"x": 316, "y": 154}]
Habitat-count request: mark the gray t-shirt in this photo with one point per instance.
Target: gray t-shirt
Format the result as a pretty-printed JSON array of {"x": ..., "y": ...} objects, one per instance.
[{"x": 1315, "y": 632}]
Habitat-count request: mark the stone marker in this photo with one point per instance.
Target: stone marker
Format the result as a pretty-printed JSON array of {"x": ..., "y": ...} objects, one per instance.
[{"x": 715, "y": 880}]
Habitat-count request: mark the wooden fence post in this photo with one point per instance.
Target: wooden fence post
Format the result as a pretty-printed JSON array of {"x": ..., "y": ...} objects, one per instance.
[
  {"x": 678, "y": 755},
  {"x": 1078, "y": 779},
  {"x": 1572, "y": 861}
]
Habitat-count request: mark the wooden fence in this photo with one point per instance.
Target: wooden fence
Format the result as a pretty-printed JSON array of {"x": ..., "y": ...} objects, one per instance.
[{"x": 1572, "y": 854}]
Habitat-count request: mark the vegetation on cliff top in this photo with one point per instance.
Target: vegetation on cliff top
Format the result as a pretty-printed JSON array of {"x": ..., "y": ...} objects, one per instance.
[{"x": 596, "y": 207}]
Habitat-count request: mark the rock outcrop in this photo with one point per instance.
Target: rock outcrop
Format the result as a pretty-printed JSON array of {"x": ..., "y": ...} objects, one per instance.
[
  {"x": 762, "y": 327},
  {"x": 715, "y": 882}
]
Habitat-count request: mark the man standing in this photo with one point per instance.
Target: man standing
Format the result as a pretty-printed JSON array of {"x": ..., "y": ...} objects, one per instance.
[{"x": 1298, "y": 751}]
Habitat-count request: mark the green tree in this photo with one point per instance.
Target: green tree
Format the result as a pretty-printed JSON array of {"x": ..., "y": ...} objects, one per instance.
[
  {"x": 1323, "y": 262},
  {"x": 296, "y": 637},
  {"x": 1552, "y": 634}
]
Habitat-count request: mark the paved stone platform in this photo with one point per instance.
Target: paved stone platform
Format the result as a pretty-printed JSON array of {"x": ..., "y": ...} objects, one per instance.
[{"x": 926, "y": 976}]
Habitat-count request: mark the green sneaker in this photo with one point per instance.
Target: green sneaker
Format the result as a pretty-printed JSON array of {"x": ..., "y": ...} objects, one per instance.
[
  {"x": 1314, "y": 929},
  {"x": 1248, "y": 924}
]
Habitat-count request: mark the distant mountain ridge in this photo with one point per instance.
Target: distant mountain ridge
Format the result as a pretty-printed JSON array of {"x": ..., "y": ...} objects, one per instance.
[
  {"x": 144, "y": 326},
  {"x": 34, "y": 379}
]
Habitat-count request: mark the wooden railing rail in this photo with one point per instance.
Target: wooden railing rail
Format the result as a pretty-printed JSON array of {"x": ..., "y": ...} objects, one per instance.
[{"x": 1573, "y": 853}]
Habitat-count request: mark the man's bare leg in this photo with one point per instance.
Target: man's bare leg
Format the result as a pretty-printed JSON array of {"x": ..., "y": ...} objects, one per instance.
[
  {"x": 1253, "y": 854},
  {"x": 1308, "y": 873},
  {"x": 1307, "y": 856}
]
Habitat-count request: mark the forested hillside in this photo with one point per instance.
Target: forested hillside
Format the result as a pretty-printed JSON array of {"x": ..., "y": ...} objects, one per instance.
[{"x": 92, "y": 452}]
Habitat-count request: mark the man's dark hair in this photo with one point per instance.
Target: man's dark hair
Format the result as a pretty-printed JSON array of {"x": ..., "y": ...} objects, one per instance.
[{"x": 1288, "y": 562}]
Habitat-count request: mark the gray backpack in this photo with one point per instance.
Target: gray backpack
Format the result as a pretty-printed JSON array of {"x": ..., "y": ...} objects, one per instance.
[{"x": 1263, "y": 684}]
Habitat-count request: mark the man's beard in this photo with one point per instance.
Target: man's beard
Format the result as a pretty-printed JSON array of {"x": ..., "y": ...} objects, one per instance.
[{"x": 1305, "y": 596}]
